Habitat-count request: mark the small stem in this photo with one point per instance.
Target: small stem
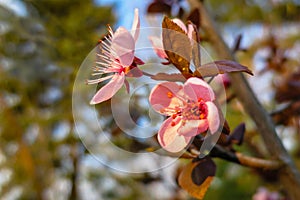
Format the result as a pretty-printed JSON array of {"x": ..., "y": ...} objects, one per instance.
[{"x": 147, "y": 74}]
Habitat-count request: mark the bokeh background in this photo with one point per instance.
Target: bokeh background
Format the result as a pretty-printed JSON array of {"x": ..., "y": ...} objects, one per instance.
[{"x": 42, "y": 45}]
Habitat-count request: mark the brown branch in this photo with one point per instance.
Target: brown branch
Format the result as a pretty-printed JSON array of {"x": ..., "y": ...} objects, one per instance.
[
  {"x": 244, "y": 160},
  {"x": 289, "y": 175},
  {"x": 258, "y": 162}
]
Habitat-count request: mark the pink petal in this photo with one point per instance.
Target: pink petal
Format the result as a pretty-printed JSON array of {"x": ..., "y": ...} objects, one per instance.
[
  {"x": 107, "y": 91},
  {"x": 196, "y": 88},
  {"x": 168, "y": 137},
  {"x": 160, "y": 98},
  {"x": 180, "y": 23},
  {"x": 123, "y": 46},
  {"x": 213, "y": 117},
  {"x": 193, "y": 127},
  {"x": 158, "y": 47},
  {"x": 190, "y": 32},
  {"x": 136, "y": 25}
]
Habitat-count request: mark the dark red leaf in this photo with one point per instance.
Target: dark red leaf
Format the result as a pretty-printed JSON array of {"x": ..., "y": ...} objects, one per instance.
[
  {"x": 237, "y": 136},
  {"x": 180, "y": 13},
  {"x": 194, "y": 17},
  {"x": 289, "y": 89},
  {"x": 221, "y": 67},
  {"x": 177, "y": 45},
  {"x": 237, "y": 43},
  {"x": 205, "y": 168},
  {"x": 159, "y": 7}
]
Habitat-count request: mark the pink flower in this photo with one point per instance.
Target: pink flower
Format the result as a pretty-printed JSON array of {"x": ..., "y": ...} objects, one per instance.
[
  {"x": 191, "y": 110},
  {"x": 264, "y": 194},
  {"x": 224, "y": 79},
  {"x": 157, "y": 42},
  {"x": 117, "y": 61}
]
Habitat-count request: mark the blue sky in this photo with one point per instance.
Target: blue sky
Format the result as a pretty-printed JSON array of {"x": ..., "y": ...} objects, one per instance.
[{"x": 124, "y": 10}]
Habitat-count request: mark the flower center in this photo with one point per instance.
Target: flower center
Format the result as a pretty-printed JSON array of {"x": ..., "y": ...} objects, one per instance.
[{"x": 194, "y": 110}]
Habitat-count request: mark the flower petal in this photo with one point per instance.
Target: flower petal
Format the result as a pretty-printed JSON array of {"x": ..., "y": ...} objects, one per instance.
[
  {"x": 135, "y": 29},
  {"x": 213, "y": 117},
  {"x": 196, "y": 88},
  {"x": 168, "y": 137},
  {"x": 180, "y": 23},
  {"x": 163, "y": 97},
  {"x": 190, "y": 32},
  {"x": 107, "y": 91},
  {"x": 193, "y": 127},
  {"x": 158, "y": 47},
  {"x": 122, "y": 46}
]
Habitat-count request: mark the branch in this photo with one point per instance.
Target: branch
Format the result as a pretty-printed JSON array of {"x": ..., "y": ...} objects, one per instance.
[
  {"x": 289, "y": 175},
  {"x": 241, "y": 159},
  {"x": 244, "y": 160}
]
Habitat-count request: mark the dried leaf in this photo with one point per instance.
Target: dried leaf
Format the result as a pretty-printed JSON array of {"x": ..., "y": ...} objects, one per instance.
[
  {"x": 177, "y": 45},
  {"x": 221, "y": 67},
  {"x": 196, "y": 177}
]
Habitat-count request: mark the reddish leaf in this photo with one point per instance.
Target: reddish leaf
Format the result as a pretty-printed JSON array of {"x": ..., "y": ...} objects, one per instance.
[
  {"x": 221, "y": 67},
  {"x": 237, "y": 43},
  {"x": 194, "y": 17},
  {"x": 177, "y": 45},
  {"x": 196, "y": 177},
  {"x": 169, "y": 77},
  {"x": 237, "y": 136},
  {"x": 180, "y": 13},
  {"x": 289, "y": 90},
  {"x": 286, "y": 115},
  {"x": 159, "y": 7}
]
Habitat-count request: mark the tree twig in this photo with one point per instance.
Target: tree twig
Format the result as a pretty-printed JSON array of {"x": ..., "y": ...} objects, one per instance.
[{"x": 241, "y": 159}]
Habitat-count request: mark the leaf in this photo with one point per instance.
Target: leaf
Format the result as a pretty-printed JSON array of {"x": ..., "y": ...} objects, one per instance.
[
  {"x": 196, "y": 177},
  {"x": 289, "y": 90},
  {"x": 237, "y": 136},
  {"x": 169, "y": 77},
  {"x": 177, "y": 45},
  {"x": 194, "y": 17},
  {"x": 221, "y": 67},
  {"x": 159, "y": 7}
]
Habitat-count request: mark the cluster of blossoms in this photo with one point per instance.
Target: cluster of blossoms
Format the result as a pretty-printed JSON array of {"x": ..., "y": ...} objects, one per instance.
[{"x": 189, "y": 107}]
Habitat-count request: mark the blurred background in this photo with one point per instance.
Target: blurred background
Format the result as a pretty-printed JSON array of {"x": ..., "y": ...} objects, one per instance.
[{"x": 42, "y": 45}]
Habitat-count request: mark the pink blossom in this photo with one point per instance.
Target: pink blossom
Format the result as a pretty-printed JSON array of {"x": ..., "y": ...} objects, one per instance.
[
  {"x": 157, "y": 42},
  {"x": 191, "y": 110},
  {"x": 224, "y": 79},
  {"x": 264, "y": 194},
  {"x": 117, "y": 61}
]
